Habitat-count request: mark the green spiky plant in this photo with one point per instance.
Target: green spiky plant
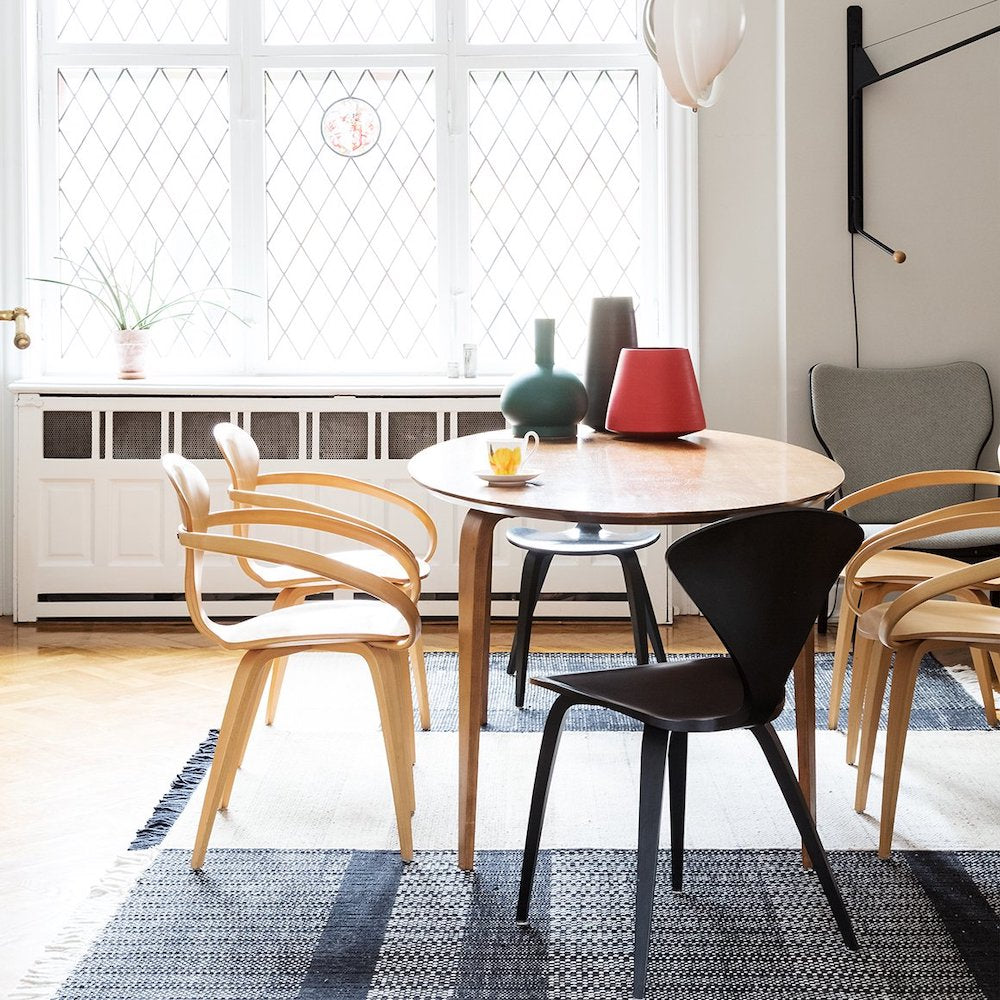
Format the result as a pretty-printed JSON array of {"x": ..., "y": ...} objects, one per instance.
[{"x": 129, "y": 303}]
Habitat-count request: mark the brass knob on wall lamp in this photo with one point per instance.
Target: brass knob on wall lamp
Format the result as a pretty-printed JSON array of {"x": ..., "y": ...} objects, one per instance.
[{"x": 17, "y": 316}]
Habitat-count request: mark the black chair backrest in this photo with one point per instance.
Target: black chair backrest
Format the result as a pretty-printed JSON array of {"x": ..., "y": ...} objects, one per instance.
[{"x": 760, "y": 580}]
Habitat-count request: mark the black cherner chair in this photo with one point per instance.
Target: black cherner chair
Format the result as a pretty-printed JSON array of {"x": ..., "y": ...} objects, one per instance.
[
  {"x": 581, "y": 540},
  {"x": 759, "y": 580}
]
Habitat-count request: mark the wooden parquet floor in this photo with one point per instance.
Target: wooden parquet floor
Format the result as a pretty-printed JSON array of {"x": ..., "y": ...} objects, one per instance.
[{"x": 95, "y": 721}]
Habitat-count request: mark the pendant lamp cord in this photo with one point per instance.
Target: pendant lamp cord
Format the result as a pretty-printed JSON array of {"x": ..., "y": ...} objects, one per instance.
[{"x": 854, "y": 300}]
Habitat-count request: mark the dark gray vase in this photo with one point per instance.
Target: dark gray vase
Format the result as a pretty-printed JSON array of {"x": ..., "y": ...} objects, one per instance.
[{"x": 612, "y": 327}]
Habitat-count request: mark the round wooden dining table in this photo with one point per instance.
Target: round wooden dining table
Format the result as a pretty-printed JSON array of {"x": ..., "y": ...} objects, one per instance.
[{"x": 611, "y": 480}]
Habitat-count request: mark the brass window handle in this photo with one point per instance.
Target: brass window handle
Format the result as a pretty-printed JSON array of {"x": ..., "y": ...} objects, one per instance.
[{"x": 17, "y": 317}]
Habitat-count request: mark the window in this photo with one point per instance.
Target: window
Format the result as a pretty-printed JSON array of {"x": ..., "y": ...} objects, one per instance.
[{"x": 390, "y": 178}]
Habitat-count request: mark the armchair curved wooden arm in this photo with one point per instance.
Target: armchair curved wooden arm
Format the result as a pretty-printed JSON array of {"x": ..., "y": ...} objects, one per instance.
[
  {"x": 309, "y": 562},
  {"x": 328, "y": 522},
  {"x": 359, "y": 486},
  {"x": 969, "y": 516},
  {"x": 918, "y": 480}
]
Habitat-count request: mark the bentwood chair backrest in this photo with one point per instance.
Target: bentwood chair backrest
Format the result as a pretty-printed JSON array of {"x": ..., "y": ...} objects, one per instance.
[
  {"x": 241, "y": 454},
  {"x": 878, "y": 423},
  {"x": 760, "y": 580}
]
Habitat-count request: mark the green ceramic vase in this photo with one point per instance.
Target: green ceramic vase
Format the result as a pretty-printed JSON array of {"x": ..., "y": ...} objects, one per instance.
[{"x": 547, "y": 400}]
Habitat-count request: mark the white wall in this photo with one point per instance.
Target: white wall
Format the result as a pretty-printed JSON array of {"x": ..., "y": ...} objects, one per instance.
[{"x": 776, "y": 296}]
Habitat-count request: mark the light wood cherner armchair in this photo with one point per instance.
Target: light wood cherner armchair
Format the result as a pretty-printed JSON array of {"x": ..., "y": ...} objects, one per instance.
[
  {"x": 909, "y": 626},
  {"x": 881, "y": 567},
  {"x": 250, "y": 487},
  {"x": 381, "y": 631}
]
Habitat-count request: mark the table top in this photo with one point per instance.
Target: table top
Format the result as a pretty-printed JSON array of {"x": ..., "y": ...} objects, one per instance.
[{"x": 601, "y": 477}]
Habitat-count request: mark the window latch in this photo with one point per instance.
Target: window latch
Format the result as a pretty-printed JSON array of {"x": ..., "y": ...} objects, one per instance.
[{"x": 17, "y": 317}]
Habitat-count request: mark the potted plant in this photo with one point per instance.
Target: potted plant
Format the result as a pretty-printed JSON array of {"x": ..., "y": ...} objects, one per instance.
[{"x": 133, "y": 304}]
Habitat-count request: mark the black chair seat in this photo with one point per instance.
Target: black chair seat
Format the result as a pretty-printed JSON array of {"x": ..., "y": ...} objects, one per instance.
[{"x": 704, "y": 694}]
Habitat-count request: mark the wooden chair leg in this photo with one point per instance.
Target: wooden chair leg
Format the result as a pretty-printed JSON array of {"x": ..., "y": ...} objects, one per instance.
[
  {"x": 536, "y": 566},
  {"x": 397, "y": 754},
  {"x": 651, "y": 774},
  {"x": 634, "y": 586},
  {"x": 845, "y": 635},
  {"x": 539, "y": 797},
  {"x": 677, "y": 782},
  {"x": 241, "y": 737},
  {"x": 286, "y": 599},
  {"x": 904, "y": 679},
  {"x": 878, "y": 674},
  {"x": 419, "y": 670},
  {"x": 251, "y": 666},
  {"x": 648, "y": 615},
  {"x": 984, "y": 674},
  {"x": 789, "y": 785},
  {"x": 864, "y": 650}
]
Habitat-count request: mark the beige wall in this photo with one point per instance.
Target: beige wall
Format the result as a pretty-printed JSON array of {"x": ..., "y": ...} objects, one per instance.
[{"x": 776, "y": 295}]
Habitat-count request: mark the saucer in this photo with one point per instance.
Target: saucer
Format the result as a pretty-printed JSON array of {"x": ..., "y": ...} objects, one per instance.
[{"x": 518, "y": 479}]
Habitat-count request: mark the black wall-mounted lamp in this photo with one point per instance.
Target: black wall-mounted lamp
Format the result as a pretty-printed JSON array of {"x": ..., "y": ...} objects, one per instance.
[{"x": 861, "y": 73}]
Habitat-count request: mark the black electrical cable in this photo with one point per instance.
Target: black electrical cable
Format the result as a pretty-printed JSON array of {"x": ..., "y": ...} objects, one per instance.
[
  {"x": 920, "y": 27},
  {"x": 854, "y": 299}
]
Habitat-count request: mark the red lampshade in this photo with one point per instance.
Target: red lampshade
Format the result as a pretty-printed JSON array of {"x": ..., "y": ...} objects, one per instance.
[{"x": 655, "y": 394}]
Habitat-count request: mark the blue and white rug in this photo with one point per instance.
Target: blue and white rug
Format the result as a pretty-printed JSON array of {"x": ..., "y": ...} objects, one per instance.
[
  {"x": 350, "y": 925},
  {"x": 304, "y": 895}
]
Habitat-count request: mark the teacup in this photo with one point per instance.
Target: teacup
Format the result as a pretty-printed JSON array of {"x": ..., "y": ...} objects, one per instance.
[{"x": 508, "y": 455}]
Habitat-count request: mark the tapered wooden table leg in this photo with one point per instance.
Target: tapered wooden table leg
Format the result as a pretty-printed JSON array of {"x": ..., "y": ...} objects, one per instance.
[
  {"x": 475, "y": 577},
  {"x": 805, "y": 725}
]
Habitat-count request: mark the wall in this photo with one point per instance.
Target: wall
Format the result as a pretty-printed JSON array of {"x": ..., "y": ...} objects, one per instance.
[
  {"x": 932, "y": 187},
  {"x": 775, "y": 251}
]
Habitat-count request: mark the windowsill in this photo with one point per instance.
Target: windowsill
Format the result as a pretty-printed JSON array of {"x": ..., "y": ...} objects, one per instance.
[{"x": 325, "y": 386}]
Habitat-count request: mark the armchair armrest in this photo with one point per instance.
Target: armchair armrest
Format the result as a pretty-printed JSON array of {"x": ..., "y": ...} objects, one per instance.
[
  {"x": 916, "y": 480},
  {"x": 309, "y": 562},
  {"x": 330, "y": 524},
  {"x": 368, "y": 489}
]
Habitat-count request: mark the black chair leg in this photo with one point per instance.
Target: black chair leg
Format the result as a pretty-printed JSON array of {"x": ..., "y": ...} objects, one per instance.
[
  {"x": 789, "y": 785},
  {"x": 539, "y": 796},
  {"x": 536, "y": 565},
  {"x": 651, "y": 775},
  {"x": 635, "y": 586},
  {"x": 677, "y": 774},
  {"x": 652, "y": 629}
]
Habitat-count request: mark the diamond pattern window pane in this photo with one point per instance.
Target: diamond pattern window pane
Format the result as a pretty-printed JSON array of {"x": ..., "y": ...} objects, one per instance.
[
  {"x": 142, "y": 21},
  {"x": 553, "y": 22},
  {"x": 352, "y": 242},
  {"x": 348, "y": 22},
  {"x": 555, "y": 203},
  {"x": 143, "y": 160}
]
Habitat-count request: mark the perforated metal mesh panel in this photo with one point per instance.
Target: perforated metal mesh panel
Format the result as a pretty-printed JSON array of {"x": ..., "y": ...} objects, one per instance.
[
  {"x": 67, "y": 434},
  {"x": 196, "y": 434},
  {"x": 480, "y": 421},
  {"x": 136, "y": 435},
  {"x": 343, "y": 435},
  {"x": 276, "y": 434},
  {"x": 410, "y": 433}
]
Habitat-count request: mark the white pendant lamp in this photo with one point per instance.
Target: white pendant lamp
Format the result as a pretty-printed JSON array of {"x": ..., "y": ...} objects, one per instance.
[{"x": 693, "y": 42}]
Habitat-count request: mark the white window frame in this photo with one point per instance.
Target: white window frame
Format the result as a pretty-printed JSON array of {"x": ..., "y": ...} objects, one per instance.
[{"x": 668, "y": 165}]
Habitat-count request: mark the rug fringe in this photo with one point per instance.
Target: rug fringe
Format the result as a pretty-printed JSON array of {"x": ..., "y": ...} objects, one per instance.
[{"x": 62, "y": 955}]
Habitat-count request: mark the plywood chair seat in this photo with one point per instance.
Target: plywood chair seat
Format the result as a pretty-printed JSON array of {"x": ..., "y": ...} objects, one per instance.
[
  {"x": 325, "y": 624},
  {"x": 908, "y": 566},
  {"x": 252, "y": 488},
  {"x": 381, "y": 631},
  {"x": 952, "y": 621},
  {"x": 370, "y": 560}
]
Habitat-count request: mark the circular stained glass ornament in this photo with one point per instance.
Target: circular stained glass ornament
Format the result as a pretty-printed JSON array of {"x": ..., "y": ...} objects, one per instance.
[{"x": 351, "y": 126}]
